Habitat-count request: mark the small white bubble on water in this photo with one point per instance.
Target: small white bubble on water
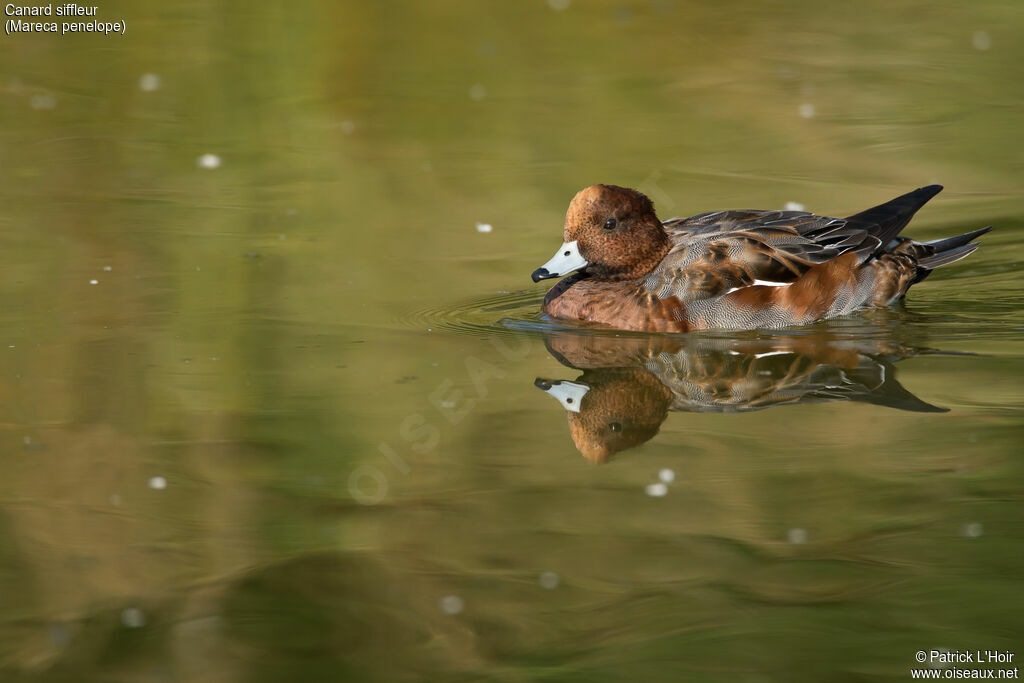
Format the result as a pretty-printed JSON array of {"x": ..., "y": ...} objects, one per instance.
[
  {"x": 157, "y": 483},
  {"x": 549, "y": 580},
  {"x": 794, "y": 206},
  {"x": 656, "y": 490},
  {"x": 981, "y": 40},
  {"x": 149, "y": 82},
  {"x": 451, "y": 604},
  {"x": 208, "y": 161},
  {"x": 94, "y": 282},
  {"x": 477, "y": 92},
  {"x": 797, "y": 535},
  {"x": 972, "y": 530},
  {"x": 559, "y": 5},
  {"x": 42, "y": 101},
  {"x": 107, "y": 269},
  {"x": 666, "y": 475},
  {"x": 807, "y": 110},
  {"x": 447, "y": 404},
  {"x": 133, "y": 617},
  {"x": 484, "y": 227}
]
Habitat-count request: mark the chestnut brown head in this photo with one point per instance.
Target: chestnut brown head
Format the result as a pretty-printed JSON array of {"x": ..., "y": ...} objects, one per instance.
[{"x": 612, "y": 233}]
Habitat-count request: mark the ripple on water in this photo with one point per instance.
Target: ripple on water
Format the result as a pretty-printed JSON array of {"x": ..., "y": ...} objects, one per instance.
[{"x": 503, "y": 312}]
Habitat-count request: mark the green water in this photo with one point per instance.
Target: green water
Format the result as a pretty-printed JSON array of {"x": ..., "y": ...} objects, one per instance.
[{"x": 291, "y": 433}]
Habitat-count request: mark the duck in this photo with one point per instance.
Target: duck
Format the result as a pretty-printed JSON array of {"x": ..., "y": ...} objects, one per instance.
[
  {"x": 630, "y": 384},
  {"x": 622, "y": 267}
]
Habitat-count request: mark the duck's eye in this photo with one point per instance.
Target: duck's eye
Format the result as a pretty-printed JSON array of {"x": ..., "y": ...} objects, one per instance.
[
  {"x": 615, "y": 426},
  {"x": 610, "y": 224}
]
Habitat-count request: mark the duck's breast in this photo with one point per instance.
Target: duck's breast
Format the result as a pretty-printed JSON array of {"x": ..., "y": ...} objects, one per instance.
[{"x": 623, "y": 305}]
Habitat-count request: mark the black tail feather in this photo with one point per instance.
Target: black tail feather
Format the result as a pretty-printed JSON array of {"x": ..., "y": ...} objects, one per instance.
[
  {"x": 946, "y": 257},
  {"x": 945, "y": 251},
  {"x": 886, "y": 220},
  {"x": 957, "y": 241}
]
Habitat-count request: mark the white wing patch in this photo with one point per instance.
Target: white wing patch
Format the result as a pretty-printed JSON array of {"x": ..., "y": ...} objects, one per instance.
[{"x": 763, "y": 283}]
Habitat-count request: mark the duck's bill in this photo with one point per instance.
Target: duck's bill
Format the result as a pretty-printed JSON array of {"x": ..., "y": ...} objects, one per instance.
[
  {"x": 567, "y": 260},
  {"x": 569, "y": 394}
]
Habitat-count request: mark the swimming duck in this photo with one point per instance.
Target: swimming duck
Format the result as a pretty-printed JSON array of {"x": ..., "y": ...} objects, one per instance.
[{"x": 734, "y": 269}]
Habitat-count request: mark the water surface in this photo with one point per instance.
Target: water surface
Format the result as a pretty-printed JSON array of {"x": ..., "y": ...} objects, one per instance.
[{"x": 268, "y": 391}]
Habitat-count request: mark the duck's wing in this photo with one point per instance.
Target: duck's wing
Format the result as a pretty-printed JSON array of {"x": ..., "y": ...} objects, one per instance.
[
  {"x": 714, "y": 253},
  {"x": 717, "y": 252}
]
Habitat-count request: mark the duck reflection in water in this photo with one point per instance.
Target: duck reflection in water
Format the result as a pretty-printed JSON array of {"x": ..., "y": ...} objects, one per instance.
[{"x": 630, "y": 384}]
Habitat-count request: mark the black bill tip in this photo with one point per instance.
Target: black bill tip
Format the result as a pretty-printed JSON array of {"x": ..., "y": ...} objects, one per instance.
[
  {"x": 543, "y": 384},
  {"x": 542, "y": 274}
]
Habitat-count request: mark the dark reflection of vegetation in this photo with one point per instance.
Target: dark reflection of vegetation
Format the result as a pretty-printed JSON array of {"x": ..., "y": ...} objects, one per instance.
[
  {"x": 327, "y": 617},
  {"x": 630, "y": 384}
]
